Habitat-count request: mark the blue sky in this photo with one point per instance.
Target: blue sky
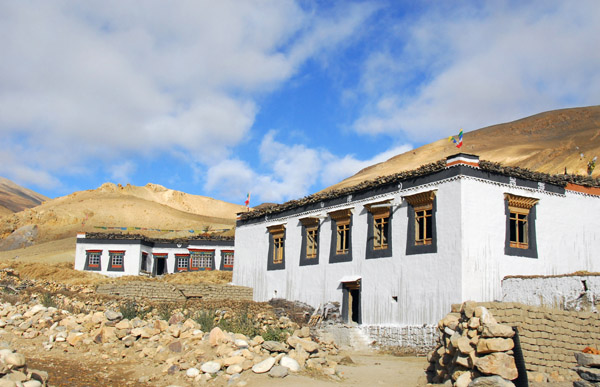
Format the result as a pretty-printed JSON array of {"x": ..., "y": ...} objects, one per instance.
[{"x": 279, "y": 98}]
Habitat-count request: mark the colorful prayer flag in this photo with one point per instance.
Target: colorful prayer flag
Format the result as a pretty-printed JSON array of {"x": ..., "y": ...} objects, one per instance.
[
  {"x": 458, "y": 142},
  {"x": 247, "y": 202}
]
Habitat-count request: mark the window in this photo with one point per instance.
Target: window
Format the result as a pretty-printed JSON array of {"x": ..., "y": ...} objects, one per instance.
[
  {"x": 115, "y": 261},
  {"x": 227, "y": 260},
  {"x": 520, "y": 227},
  {"x": 92, "y": 259},
  {"x": 380, "y": 231},
  {"x": 182, "y": 262},
  {"x": 341, "y": 241},
  {"x": 309, "y": 252},
  {"x": 276, "y": 247},
  {"x": 144, "y": 266},
  {"x": 421, "y": 231},
  {"x": 379, "y": 242},
  {"x": 202, "y": 259}
]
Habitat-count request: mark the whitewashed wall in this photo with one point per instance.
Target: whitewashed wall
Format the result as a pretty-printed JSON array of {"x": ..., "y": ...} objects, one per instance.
[
  {"x": 133, "y": 255},
  {"x": 131, "y": 260},
  {"x": 563, "y": 292},
  {"x": 470, "y": 262},
  {"x": 425, "y": 284},
  {"x": 567, "y": 234}
]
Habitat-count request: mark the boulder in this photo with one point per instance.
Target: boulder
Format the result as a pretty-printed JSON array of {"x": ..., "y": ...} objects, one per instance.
[
  {"x": 498, "y": 363},
  {"x": 589, "y": 374},
  {"x": 14, "y": 360},
  {"x": 192, "y": 372},
  {"x": 216, "y": 336},
  {"x": 275, "y": 346},
  {"x": 290, "y": 363},
  {"x": 496, "y": 344},
  {"x": 307, "y": 344},
  {"x": 264, "y": 366},
  {"x": 463, "y": 380},
  {"x": 211, "y": 367},
  {"x": 491, "y": 381},
  {"x": 278, "y": 372},
  {"x": 497, "y": 330},
  {"x": 587, "y": 359},
  {"x": 111, "y": 315}
]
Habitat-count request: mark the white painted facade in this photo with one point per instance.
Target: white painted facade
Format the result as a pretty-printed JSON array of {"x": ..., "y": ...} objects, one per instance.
[
  {"x": 417, "y": 289},
  {"x": 572, "y": 292},
  {"x": 134, "y": 249}
]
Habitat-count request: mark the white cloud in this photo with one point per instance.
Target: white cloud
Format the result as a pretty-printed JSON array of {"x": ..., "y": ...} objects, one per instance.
[
  {"x": 122, "y": 172},
  {"x": 100, "y": 81},
  {"x": 482, "y": 65},
  {"x": 291, "y": 171}
]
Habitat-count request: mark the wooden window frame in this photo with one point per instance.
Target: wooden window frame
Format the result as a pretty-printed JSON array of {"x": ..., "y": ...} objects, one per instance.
[
  {"x": 182, "y": 258},
  {"x": 421, "y": 231},
  {"x": 276, "y": 259},
  {"x": 96, "y": 254},
  {"x": 520, "y": 225},
  {"x": 309, "y": 251},
  {"x": 379, "y": 233},
  {"x": 112, "y": 254},
  {"x": 341, "y": 241},
  {"x": 423, "y": 214},
  {"x": 201, "y": 259}
]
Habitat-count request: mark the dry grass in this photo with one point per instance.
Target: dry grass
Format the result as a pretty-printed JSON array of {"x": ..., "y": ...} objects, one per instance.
[{"x": 64, "y": 273}]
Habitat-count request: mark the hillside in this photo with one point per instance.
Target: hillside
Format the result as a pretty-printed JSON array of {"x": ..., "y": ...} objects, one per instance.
[
  {"x": 547, "y": 142},
  {"x": 14, "y": 198},
  {"x": 148, "y": 207}
]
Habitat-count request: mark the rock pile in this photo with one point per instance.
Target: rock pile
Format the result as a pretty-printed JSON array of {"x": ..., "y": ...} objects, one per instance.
[
  {"x": 473, "y": 349},
  {"x": 176, "y": 347},
  {"x": 14, "y": 371},
  {"x": 588, "y": 369}
]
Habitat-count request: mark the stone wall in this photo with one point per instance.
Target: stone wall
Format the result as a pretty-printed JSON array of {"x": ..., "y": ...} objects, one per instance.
[
  {"x": 418, "y": 338},
  {"x": 569, "y": 292},
  {"x": 549, "y": 337},
  {"x": 176, "y": 292}
]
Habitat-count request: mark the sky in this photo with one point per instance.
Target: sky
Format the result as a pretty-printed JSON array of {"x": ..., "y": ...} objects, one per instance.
[{"x": 278, "y": 98}]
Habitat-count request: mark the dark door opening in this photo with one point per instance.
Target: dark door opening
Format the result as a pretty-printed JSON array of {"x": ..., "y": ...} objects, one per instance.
[
  {"x": 161, "y": 266},
  {"x": 351, "y": 310}
]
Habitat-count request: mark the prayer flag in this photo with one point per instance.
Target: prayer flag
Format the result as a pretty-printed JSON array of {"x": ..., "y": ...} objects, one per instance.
[
  {"x": 456, "y": 142},
  {"x": 247, "y": 202}
]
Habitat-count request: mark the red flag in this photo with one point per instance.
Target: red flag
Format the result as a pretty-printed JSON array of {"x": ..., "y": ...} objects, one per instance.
[{"x": 247, "y": 202}]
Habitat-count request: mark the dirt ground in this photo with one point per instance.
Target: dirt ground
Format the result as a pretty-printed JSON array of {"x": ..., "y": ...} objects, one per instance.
[{"x": 76, "y": 367}]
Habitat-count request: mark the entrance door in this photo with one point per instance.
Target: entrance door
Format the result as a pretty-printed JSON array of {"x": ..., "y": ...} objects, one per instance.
[
  {"x": 351, "y": 311},
  {"x": 160, "y": 264}
]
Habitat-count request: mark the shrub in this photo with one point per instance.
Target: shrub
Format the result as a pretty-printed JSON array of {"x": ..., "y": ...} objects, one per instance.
[
  {"x": 131, "y": 310},
  {"x": 206, "y": 319},
  {"x": 47, "y": 300},
  {"x": 275, "y": 334},
  {"x": 241, "y": 323},
  {"x": 165, "y": 310}
]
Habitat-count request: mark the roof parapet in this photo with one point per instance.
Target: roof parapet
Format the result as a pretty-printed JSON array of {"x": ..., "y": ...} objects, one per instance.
[{"x": 462, "y": 159}]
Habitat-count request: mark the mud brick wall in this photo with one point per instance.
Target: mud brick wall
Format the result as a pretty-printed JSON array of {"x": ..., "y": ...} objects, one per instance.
[
  {"x": 549, "y": 337},
  {"x": 176, "y": 292}
]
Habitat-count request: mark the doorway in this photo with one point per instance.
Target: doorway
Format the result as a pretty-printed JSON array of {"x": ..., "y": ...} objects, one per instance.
[
  {"x": 351, "y": 310},
  {"x": 160, "y": 265}
]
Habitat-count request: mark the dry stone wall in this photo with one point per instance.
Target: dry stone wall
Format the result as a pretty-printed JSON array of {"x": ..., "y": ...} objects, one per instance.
[
  {"x": 176, "y": 292},
  {"x": 549, "y": 337}
]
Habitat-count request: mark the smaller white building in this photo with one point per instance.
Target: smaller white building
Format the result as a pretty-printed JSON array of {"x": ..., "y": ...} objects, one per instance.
[{"x": 118, "y": 255}]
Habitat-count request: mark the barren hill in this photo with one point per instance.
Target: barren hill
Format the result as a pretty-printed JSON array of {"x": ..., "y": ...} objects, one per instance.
[
  {"x": 547, "y": 142},
  {"x": 14, "y": 198},
  {"x": 130, "y": 207}
]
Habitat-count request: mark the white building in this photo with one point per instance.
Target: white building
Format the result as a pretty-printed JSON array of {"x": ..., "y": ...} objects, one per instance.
[
  {"x": 397, "y": 252},
  {"x": 118, "y": 255}
]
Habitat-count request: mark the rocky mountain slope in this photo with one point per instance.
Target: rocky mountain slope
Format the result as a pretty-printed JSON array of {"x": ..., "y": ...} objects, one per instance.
[
  {"x": 547, "y": 142},
  {"x": 132, "y": 208},
  {"x": 14, "y": 198}
]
